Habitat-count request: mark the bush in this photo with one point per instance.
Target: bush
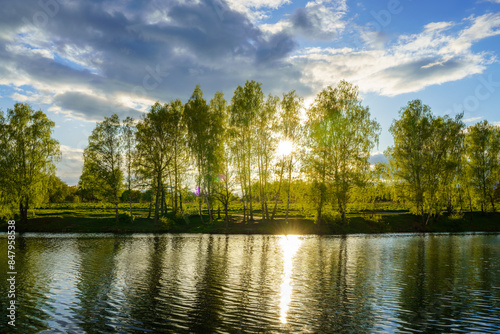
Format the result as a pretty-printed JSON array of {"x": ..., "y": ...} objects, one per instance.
[
  {"x": 456, "y": 216},
  {"x": 376, "y": 218},
  {"x": 125, "y": 217},
  {"x": 166, "y": 223},
  {"x": 331, "y": 218}
]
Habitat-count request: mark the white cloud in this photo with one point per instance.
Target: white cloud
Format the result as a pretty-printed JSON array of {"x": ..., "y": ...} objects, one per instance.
[
  {"x": 318, "y": 20},
  {"x": 376, "y": 157},
  {"x": 434, "y": 56},
  {"x": 257, "y": 4},
  {"x": 256, "y": 10},
  {"x": 70, "y": 166},
  {"x": 472, "y": 119},
  {"x": 71, "y": 153}
]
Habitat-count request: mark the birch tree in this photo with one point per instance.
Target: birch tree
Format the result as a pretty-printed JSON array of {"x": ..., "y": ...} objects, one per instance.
[
  {"x": 425, "y": 155},
  {"x": 154, "y": 147},
  {"x": 103, "y": 157},
  {"x": 483, "y": 161},
  {"x": 245, "y": 106},
  {"x": 128, "y": 136},
  {"x": 341, "y": 135}
]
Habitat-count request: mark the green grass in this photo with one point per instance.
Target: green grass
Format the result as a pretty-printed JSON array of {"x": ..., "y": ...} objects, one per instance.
[{"x": 100, "y": 217}]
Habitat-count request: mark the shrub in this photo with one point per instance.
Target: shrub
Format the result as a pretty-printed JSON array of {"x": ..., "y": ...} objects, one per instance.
[
  {"x": 166, "y": 223},
  {"x": 331, "y": 218},
  {"x": 125, "y": 217},
  {"x": 456, "y": 216}
]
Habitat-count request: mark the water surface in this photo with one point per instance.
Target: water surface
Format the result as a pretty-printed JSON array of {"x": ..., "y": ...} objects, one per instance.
[{"x": 249, "y": 284}]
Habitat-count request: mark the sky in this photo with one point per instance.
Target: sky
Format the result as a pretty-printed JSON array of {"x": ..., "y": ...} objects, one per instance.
[{"x": 80, "y": 61}]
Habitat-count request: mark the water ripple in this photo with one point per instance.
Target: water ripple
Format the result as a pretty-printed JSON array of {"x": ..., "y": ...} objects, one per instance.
[{"x": 251, "y": 284}]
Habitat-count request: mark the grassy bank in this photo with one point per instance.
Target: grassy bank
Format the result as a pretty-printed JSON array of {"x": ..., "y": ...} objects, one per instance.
[{"x": 96, "y": 218}]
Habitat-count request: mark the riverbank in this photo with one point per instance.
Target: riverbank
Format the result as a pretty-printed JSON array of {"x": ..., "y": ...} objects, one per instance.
[{"x": 72, "y": 222}]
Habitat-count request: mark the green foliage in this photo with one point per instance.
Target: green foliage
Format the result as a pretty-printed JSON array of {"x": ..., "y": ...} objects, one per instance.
[
  {"x": 166, "y": 223},
  {"x": 102, "y": 159},
  {"x": 135, "y": 196},
  {"x": 59, "y": 192},
  {"x": 425, "y": 157},
  {"x": 27, "y": 157},
  {"x": 155, "y": 138},
  {"x": 341, "y": 134},
  {"x": 435, "y": 169},
  {"x": 205, "y": 128},
  {"x": 265, "y": 147},
  {"x": 331, "y": 218},
  {"x": 246, "y": 104},
  {"x": 482, "y": 148},
  {"x": 125, "y": 217}
]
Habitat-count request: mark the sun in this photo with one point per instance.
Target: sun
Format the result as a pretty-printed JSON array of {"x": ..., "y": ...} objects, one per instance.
[{"x": 285, "y": 147}]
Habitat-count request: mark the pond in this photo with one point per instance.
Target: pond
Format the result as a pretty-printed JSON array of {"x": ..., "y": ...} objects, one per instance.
[{"x": 185, "y": 283}]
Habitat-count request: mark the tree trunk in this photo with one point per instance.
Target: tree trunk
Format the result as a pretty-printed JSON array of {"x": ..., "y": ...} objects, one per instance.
[
  {"x": 320, "y": 206},
  {"x": 158, "y": 197},
  {"x": 130, "y": 203},
  {"x": 116, "y": 211},
  {"x": 344, "y": 210},
  {"x": 449, "y": 207},
  {"x": 470, "y": 204},
  {"x": 23, "y": 210},
  {"x": 267, "y": 210},
  {"x": 165, "y": 204},
  {"x": 250, "y": 200},
  {"x": 250, "y": 188},
  {"x": 289, "y": 189},
  {"x": 199, "y": 208},
  {"x": 176, "y": 181},
  {"x": 209, "y": 209},
  {"x": 162, "y": 210},
  {"x": 150, "y": 205},
  {"x": 226, "y": 217},
  {"x": 261, "y": 187},
  {"x": 180, "y": 200},
  {"x": 130, "y": 193},
  {"x": 278, "y": 192}
]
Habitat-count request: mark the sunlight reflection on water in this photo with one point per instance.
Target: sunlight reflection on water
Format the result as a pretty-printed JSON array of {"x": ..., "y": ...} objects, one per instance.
[
  {"x": 180, "y": 283},
  {"x": 289, "y": 245}
]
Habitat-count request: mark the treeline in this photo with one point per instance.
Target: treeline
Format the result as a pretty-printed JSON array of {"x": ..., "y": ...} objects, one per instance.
[
  {"x": 259, "y": 148},
  {"x": 255, "y": 145},
  {"x": 437, "y": 162}
]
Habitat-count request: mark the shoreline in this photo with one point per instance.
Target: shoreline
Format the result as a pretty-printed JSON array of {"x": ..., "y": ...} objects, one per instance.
[{"x": 357, "y": 224}]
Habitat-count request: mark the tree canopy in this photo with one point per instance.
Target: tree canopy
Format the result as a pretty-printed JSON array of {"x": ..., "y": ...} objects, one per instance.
[{"x": 27, "y": 156}]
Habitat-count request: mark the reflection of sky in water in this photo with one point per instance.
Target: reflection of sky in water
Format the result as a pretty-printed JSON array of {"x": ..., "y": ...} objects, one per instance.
[
  {"x": 194, "y": 283},
  {"x": 289, "y": 245}
]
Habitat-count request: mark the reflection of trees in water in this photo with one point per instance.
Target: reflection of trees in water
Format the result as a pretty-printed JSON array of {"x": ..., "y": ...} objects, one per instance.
[
  {"x": 33, "y": 300},
  {"x": 205, "y": 315},
  {"x": 147, "y": 307},
  {"x": 241, "y": 301},
  {"x": 95, "y": 281},
  {"x": 230, "y": 283},
  {"x": 427, "y": 280},
  {"x": 154, "y": 288},
  {"x": 413, "y": 298},
  {"x": 334, "y": 297},
  {"x": 441, "y": 281}
]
